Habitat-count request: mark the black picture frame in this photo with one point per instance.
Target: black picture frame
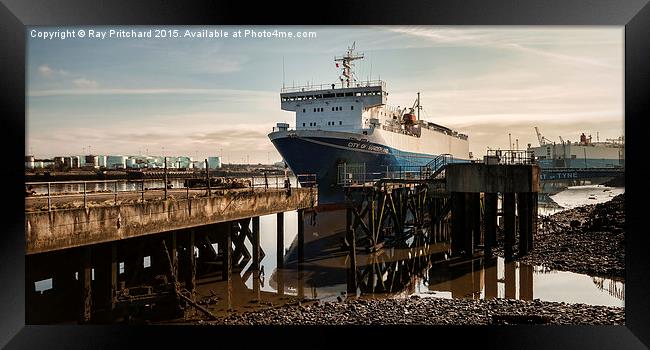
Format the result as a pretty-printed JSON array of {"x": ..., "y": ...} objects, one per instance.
[{"x": 16, "y": 14}]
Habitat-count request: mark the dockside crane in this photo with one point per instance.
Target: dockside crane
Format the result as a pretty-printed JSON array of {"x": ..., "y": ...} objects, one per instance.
[{"x": 542, "y": 140}]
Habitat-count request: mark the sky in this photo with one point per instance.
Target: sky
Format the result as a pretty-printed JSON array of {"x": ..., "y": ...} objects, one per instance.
[{"x": 220, "y": 96}]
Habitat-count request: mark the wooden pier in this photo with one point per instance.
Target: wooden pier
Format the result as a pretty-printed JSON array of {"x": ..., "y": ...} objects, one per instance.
[{"x": 116, "y": 260}]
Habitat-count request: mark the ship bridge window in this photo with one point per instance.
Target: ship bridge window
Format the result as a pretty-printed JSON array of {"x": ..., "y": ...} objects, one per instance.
[
  {"x": 349, "y": 94},
  {"x": 352, "y": 108},
  {"x": 321, "y": 109},
  {"x": 303, "y": 110},
  {"x": 328, "y": 95},
  {"x": 340, "y": 94},
  {"x": 340, "y": 122}
]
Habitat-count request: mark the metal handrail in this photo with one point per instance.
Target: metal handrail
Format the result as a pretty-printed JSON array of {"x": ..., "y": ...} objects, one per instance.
[
  {"x": 317, "y": 87},
  {"x": 286, "y": 183}
]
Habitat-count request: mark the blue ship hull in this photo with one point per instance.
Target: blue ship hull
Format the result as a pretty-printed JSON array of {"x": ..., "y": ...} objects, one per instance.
[{"x": 322, "y": 155}]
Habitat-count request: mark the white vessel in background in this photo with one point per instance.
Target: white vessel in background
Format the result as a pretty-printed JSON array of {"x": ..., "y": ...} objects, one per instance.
[{"x": 350, "y": 122}]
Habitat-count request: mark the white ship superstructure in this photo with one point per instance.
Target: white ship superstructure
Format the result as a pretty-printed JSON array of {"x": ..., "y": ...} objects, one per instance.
[{"x": 351, "y": 122}]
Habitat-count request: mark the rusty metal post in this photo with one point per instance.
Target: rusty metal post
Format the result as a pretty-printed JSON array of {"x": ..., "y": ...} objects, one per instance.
[
  {"x": 509, "y": 223},
  {"x": 227, "y": 252},
  {"x": 85, "y": 201},
  {"x": 49, "y": 199},
  {"x": 115, "y": 192},
  {"x": 85, "y": 282},
  {"x": 142, "y": 190},
  {"x": 352, "y": 249},
  {"x": 165, "y": 178},
  {"x": 207, "y": 178},
  {"x": 490, "y": 222}
]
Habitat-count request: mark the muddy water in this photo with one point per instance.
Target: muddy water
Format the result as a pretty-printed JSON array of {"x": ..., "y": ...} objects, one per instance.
[{"x": 414, "y": 268}]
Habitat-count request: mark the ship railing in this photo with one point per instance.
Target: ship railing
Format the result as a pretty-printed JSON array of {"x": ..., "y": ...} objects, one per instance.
[
  {"x": 316, "y": 87},
  {"x": 510, "y": 157},
  {"x": 355, "y": 174}
]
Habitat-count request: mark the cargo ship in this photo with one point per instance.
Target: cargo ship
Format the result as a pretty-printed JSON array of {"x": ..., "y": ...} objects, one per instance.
[
  {"x": 584, "y": 154},
  {"x": 350, "y": 122}
]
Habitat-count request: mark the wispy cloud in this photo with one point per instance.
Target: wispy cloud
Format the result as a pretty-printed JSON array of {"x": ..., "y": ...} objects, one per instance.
[
  {"x": 47, "y": 71},
  {"x": 491, "y": 38},
  {"x": 145, "y": 91},
  {"x": 85, "y": 83}
]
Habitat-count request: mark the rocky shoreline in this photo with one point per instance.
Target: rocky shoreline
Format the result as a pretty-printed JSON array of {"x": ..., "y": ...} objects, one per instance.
[
  {"x": 429, "y": 311},
  {"x": 588, "y": 240}
]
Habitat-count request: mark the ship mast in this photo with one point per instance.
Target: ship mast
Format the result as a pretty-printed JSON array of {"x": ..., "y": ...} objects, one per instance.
[{"x": 346, "y": 61}]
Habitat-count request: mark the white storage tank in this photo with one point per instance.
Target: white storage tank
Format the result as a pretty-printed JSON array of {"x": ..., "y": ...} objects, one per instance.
[
  {"x": 116, "y": 162},
  {"x": 101, "y": 161},
  {"x": 214, "y": 162}
]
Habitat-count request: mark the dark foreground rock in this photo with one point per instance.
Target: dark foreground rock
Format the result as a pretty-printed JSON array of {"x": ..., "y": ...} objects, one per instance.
[
  {"x": 430, "y": 311},
  {"x": 588, "y": 239}
]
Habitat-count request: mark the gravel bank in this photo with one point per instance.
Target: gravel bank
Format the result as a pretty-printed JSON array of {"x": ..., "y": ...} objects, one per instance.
[
  {"x": 588, "y": 240},
  {"x": 429, "y": 311}
]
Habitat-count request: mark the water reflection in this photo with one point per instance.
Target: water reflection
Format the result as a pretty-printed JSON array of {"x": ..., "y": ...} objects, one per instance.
[{"x": 416, "y": 266}]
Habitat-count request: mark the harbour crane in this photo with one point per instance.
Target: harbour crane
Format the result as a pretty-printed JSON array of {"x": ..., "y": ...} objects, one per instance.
[{"x": 542, "y": 140}]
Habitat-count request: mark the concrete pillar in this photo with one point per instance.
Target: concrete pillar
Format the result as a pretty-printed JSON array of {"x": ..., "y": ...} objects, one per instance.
[
  {"x": 510, "y": 286},
  {"x": 524, "y": 222},
  {"x": 509, "y": 223},
  {"x": 301, "y": 251},
  {"x": 457, "y": 222},
  {"x": 489, "y": 222},
  {"x": 352, "y": 249},
  {"x": 280, "y": 240},
  {"x": 525, "y": 282},
  {"x": 491, "y": 277},
  {"x": 85, "y": 280}
]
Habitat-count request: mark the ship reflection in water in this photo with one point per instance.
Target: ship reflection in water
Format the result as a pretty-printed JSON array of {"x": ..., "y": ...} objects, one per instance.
[{"x": 413, "y": 267}]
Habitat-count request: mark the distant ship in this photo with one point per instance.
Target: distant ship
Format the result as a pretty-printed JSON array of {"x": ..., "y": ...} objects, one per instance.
[
  {"x": 350, "y": 122},
  {"x": 582, "y": 154}
]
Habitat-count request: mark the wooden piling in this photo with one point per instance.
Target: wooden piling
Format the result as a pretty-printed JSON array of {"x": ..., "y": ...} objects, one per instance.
[
  {"x": 457, "y": 222},
  {"x": 490, "y": 278},
  {"x": 533, "y": 219},
  {"x": 525, "y": 282},
  {"x": 226, "y": 271},
  {"x": 509, "y": 224},
  {"x": 352, "y": 249},
  {"x": 510, "y": 287},
  {"x": 490, "y": 222},
  {"x": 280, "y": 240},
  {"x": 85, "y": 282},
  {"x": 256, "y": 243},
  {"x": 524, "y": 219},
  {"x": 475, "y": 207},
  {"x": 301, "y": 251}
]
